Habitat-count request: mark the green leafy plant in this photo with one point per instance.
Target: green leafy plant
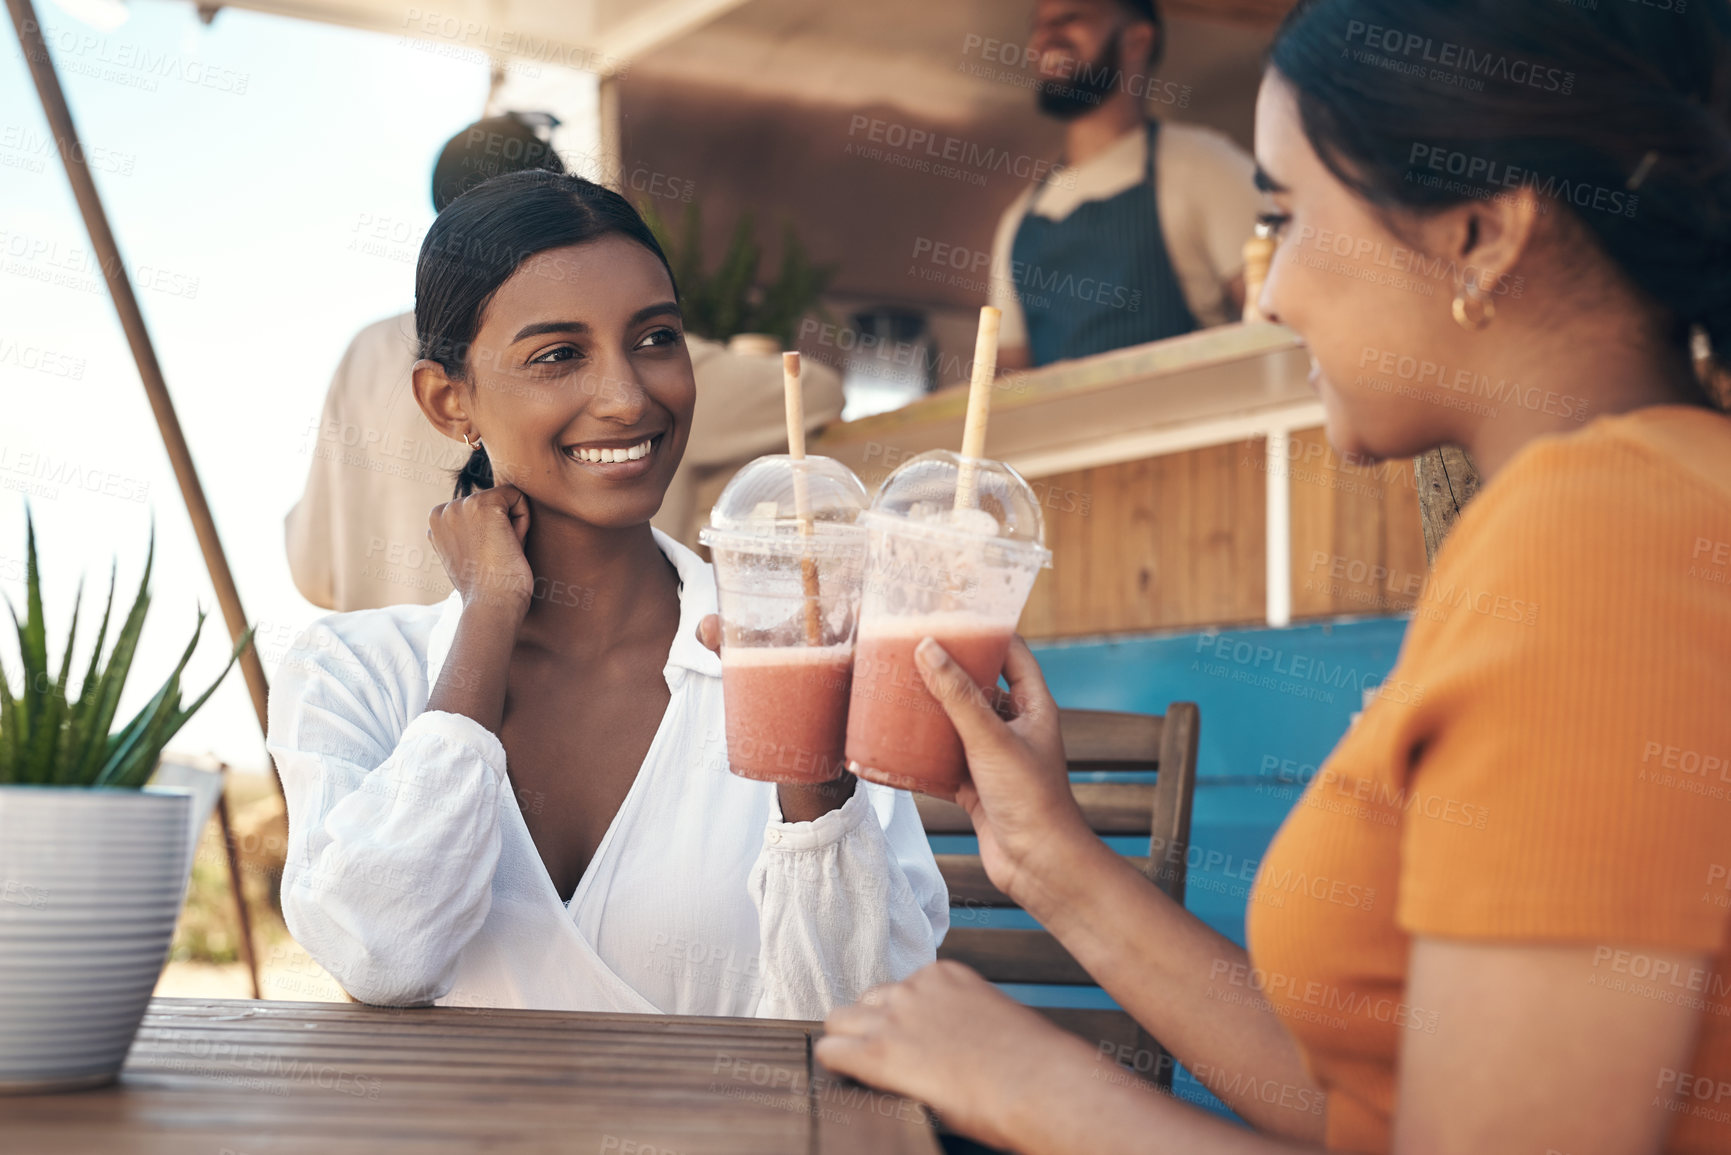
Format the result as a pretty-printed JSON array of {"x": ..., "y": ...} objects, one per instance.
[
  {"x": 47, "y": 739},
  {"x": 721, "y": 304}
]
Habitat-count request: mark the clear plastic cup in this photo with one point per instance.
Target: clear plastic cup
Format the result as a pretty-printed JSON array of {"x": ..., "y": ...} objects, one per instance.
[
  {"x": 961, "y": 577},
  {"x": 789, "y": 594}
]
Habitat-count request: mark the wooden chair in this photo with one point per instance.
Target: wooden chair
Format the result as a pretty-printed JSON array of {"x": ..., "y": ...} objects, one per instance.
[{"x": 1094, "y": 740}]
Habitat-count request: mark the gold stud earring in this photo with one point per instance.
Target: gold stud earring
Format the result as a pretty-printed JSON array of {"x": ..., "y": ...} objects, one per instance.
[
  {"x": 1473, "y": 311},
  {"x": 473, "y": 447}
]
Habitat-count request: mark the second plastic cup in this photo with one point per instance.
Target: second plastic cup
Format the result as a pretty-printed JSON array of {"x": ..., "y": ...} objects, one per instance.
[
  {"x": 961, "y": 577},
  {"x": 789, "y": 596}
]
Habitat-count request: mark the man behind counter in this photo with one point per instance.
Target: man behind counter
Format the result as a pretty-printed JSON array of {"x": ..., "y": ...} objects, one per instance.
[{"x": 1143, "y": 237}]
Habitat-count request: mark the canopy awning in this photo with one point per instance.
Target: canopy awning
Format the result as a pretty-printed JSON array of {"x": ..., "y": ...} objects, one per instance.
[
  {"x": 792, "y": 44},
  {"x": 600, "y": 36}
]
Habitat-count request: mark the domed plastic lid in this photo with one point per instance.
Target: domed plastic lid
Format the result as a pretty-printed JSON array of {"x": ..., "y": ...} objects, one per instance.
[
  {"x": 762, "y": 501},
  {"x": 922, "y": 493}
]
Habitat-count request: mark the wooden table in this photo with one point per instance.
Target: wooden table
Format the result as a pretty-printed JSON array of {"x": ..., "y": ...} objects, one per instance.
[{"x": 233, "y": 1077}]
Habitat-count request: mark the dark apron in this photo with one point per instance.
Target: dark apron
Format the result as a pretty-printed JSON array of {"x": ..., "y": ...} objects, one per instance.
[{"x": 1100, "y": 278}]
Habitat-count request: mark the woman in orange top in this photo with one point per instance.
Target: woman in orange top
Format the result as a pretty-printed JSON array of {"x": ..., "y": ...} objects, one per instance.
[{"x": 1498, "y": 919}]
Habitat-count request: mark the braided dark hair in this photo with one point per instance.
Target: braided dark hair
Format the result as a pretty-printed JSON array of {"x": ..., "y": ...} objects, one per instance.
[
  {"x": 1615, "y": 112},
  {"x": 480, "y": 239}
]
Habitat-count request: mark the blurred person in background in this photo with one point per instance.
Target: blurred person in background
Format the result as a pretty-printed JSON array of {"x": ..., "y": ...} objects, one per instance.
[
  {"x": 1139, "y": 235},
  {"x": 357, "y": 538}
]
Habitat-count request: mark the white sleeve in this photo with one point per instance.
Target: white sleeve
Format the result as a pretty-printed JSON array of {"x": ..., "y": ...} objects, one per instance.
[
  {"x": 845, "y": 902},
  {"x": 393, "y": 828},
  {"x": 1013, "y": 329}
]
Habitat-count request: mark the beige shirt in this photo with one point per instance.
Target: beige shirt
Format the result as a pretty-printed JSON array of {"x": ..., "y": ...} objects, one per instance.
[
  {"x": 357, "y": 539},
  {"x": 1205, "y": 187}
]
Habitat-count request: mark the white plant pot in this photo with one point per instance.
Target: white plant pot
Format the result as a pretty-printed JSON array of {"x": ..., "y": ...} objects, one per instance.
[{"x": 91, "y": 883}]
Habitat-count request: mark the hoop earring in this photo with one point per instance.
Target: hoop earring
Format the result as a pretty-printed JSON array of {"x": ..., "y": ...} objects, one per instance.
[
  {"x": 1467, "y": 300},
  {"x": 471, "y": 448}
]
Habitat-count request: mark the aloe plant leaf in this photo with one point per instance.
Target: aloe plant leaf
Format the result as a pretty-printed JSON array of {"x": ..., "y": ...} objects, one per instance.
[
  {"x": 119, "y": 745},
  {"x": 22, "y": 719},
  {"x": 50, "y": 723},
  {"x": 72, "y": 752},
  {"x": 171, "y": 686},
  {"x": 9, "y": 769},
  {"x": 186, "y": 654},
  {"x": 87, "y": 687},
  {"x": 234, "y": 656},
  {"x": 135, "y": 765},
  {"x": 136, "y": 770},
  {"x": 45, "y": 737},
  {"x": 33, "y": 658},
  {"x": 71, "y": 640},
  {"x": 138, "y": 764},
  {"x": 123, "y": 743},
  {"x": 58, "y": 761},
  {"x": 33, "y": 637},
  {"x": 132, "y": 761},
  {"x": 113, "y": 677},
  {"x": 53, "y": 732}
]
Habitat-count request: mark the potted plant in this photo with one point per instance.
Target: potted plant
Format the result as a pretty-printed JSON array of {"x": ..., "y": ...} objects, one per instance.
[
  {"x": 93, "y": 865},
  {"x": 728, "y": 302}
]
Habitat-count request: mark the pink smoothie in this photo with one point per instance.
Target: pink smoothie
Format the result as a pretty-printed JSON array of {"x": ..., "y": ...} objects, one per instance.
[
  {"x": 786, "y": 711},
  {"x": 896, "y": 731}
]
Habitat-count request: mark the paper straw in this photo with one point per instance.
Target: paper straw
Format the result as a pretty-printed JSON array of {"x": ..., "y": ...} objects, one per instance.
[
  {"x": 801, "y": 495},
  {"x": 979, "y": 406}
]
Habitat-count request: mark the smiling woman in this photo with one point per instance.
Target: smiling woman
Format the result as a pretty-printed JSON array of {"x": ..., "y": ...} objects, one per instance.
[
  {"x": 520, "y": 797},
  {"x": 524, "y": 243},
  {"x": 1491, "y": 922}
]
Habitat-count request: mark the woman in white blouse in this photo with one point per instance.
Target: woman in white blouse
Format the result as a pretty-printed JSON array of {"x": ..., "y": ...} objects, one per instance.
[{"x": 520, "y": 797}]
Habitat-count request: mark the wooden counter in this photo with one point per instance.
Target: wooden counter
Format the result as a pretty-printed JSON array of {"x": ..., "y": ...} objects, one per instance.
[{"x": 1185, "y": 483}]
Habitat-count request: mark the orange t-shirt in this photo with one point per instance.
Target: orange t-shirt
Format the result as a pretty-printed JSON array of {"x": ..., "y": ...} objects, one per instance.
[{"x": 1549, "y": 762}]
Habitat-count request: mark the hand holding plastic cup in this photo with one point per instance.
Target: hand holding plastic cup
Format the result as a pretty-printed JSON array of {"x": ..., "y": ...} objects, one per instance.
[
  {"x": 789, "y": 568},
  {"x": 960, "y": 575}
]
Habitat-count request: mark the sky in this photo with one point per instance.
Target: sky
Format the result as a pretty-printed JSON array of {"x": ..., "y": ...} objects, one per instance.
[{"x": 267, "y": 179}]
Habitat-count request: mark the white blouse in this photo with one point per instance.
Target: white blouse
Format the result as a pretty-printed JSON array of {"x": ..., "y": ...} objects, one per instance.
[{"x": 411, "y": 876}]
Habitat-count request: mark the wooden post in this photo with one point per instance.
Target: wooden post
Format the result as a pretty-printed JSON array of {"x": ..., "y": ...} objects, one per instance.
[
  {"x": 247, "y": 954},
  {"x": 1446, "y": 480}
]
